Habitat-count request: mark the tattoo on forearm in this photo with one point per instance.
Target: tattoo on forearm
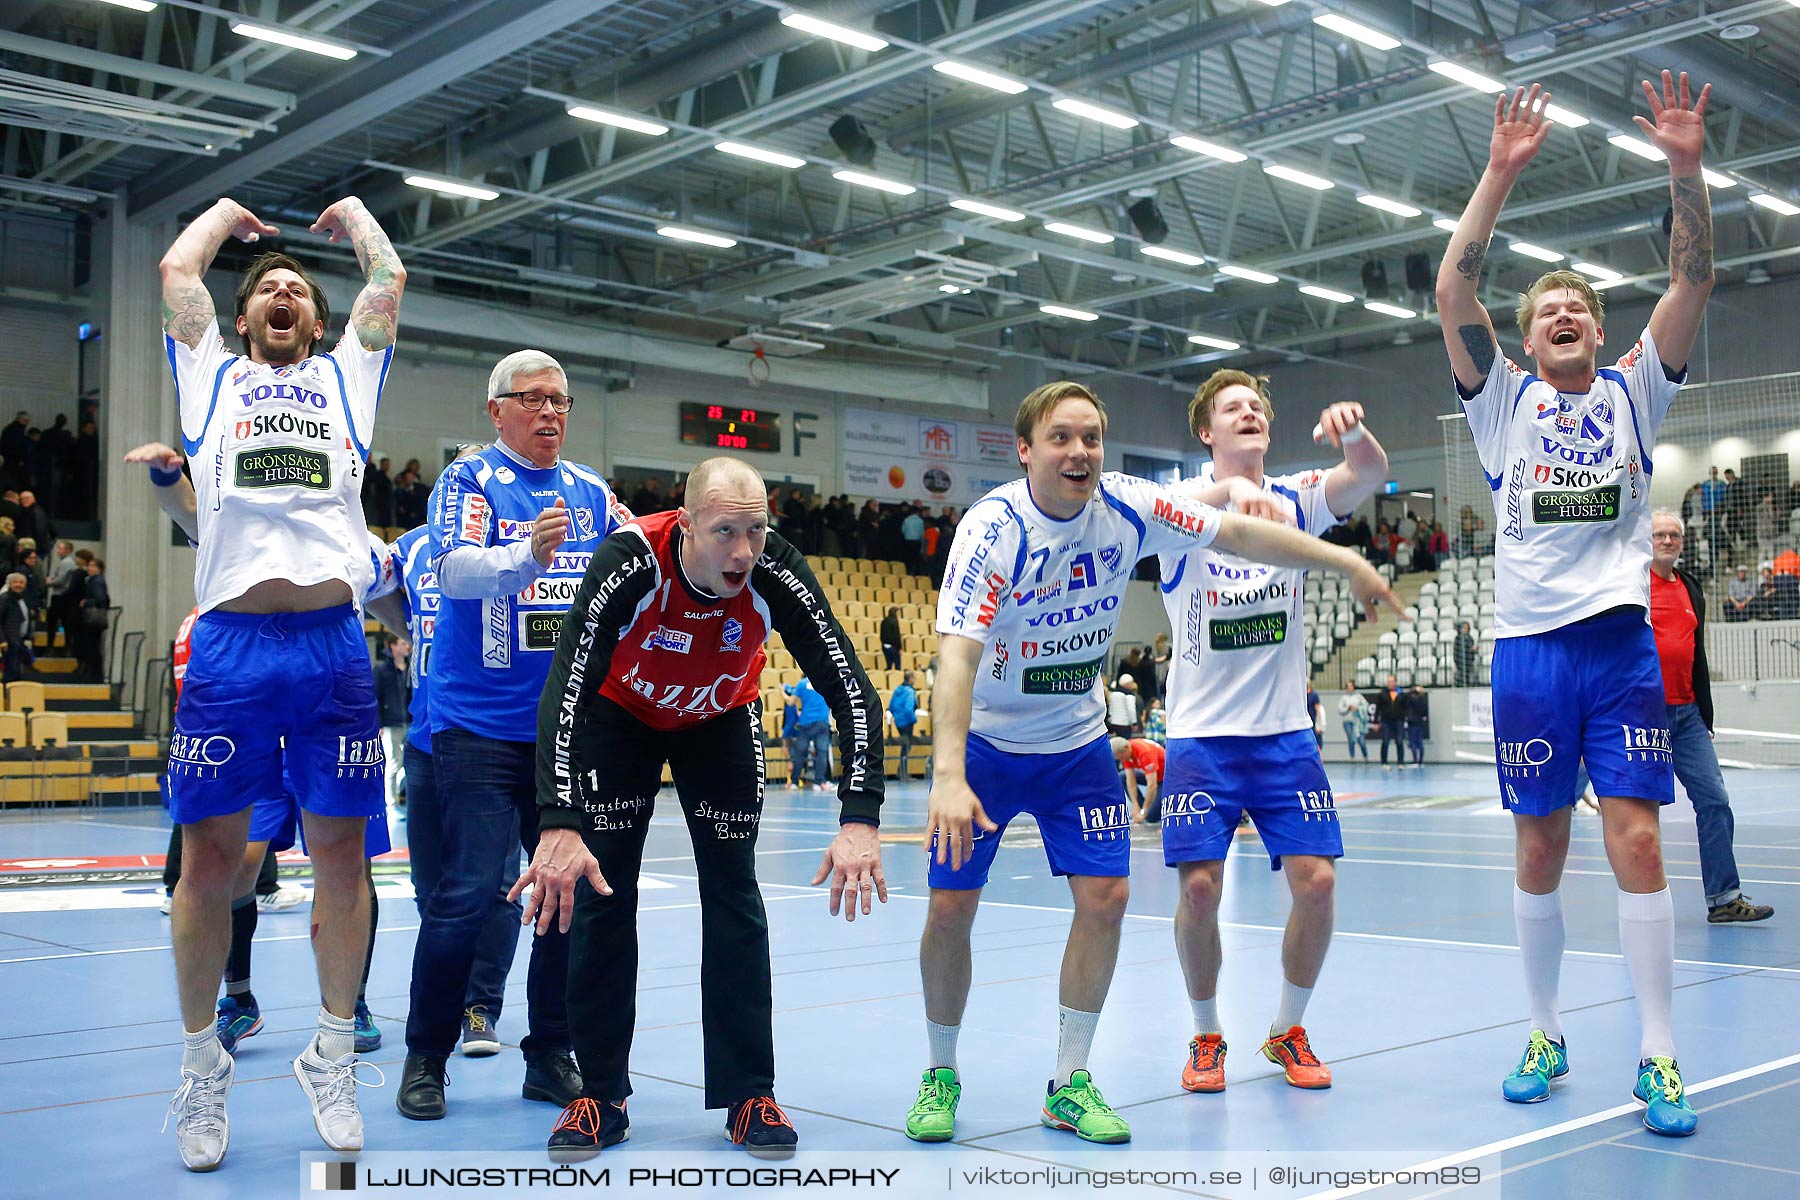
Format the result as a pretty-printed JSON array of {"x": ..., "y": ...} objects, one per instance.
[
  {"x": 1478, "y": 341},
  {"x": 1691, "y": 234},
  {"x": 187, "y": 311},
  {"x": 376, "y": 313},
  {"x": 1469, "y": 265}
]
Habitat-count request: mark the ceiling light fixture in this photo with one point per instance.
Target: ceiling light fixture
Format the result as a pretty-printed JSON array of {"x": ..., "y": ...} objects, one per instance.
[
  {"x": 1299, "y": 177},
  {"x": 601, "y": 116},
  {"x": 696, "y": 235},
  {"x": 1389, "y": 206},
  {"x": 876, "y": 182},
  {"x": 1637, "y": 146},
  {"x": 1565, "y": 118},
  {"x": 1174, "y": 256},
  {"x": 1466, "y": 77},
  {"x": 986, "y": 79},
  {"x": 1389, "y": 310},
  {"x": 1093, "y": 112},
  {"x": 1597, "y": 271},
  {"x": 451, "y": 187},
  {"x": 772, "y": 157},
  {"x": 1201, "y": 339},
  {"x": 1074, "y": 314},
  {"x": 1325, "y": 293},
  {"x": 1252, "y": 275},
  {"x": 1714, "y": 179},
  {"x": 1775, "y": 204},
  {"x": 1361, "y": 33},
  {"x": 1538, "y": 252},
  {"x": 983, "y": 209},
  {"x": 1078, "y": 231},
  {"x": 837, "y": 33},
  {"x": 1211, "y": 149},
  {"x": 294, "y": 41},
  {"x": 1445, "y": 224}
]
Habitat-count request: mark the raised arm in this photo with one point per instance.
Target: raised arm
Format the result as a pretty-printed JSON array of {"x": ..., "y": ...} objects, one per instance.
[
  {"x": 187, "y": 308},
  {"x": 1680, "y": 133},
  {"x": 174, "y": 491},
  {"x": 1365, "y": 464},
  {"x": 1519, "y": 129},
  {"x": 1283, "y": 546},
  {"x": 376, "y": 314}
]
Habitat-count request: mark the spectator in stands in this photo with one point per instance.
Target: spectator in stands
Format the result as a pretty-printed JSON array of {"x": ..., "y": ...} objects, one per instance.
[
  {"x": 1676, "y": 603},
  {"x": 36, "y": 522},
  {"x": 410, "y": 498},
  {"x": 9, "y": 542},
  {"x": 1737, "y": 509},
  {"x": 1466, "y": 673},
  {"x": 1422, "y": 557},
  {"x": 903, "y": 706},
  {"x": 55, "y": 447},
  {"x": 1313, "y": 704},
  {"x": 84, "y": 473},
  {"x": 790, "y": 737},
  {"x": 392, "y": 698},
  {"x": 912, "y": 534},
  {"x": 1409, "y": 526},
  {"x": 1362, "y": 540},
  {"x": 1158, "y": 670},
  {"x": 1156, "y": 722},
  {"x": 891, "y": 641},
  {"x": 1766, "y": 523},
  {"x": 1469, "y": 525},
  {"x": 15, "y": 448},
  {"x": 1739, "y": 594},
  {"x": 1794, "y": 508},
  {"x": 929, "y": 545},
  {"x": 793, "y": 520},
  {"x": 1353, "y": 711},
  {"x": 90, "y": 625},
  {"x": 1765, "y": 605},
  {"x": 814, "y": 731},
  {"x": 648, "y": 498},
  {"x": 868, "y": 529},
  {"x": 378, "y": 495},
  {"x": 1440, "y": 542},
  {"x": 842, "y": 519},
  {"x": 1387, "y": 541},
  {"x": 62, "y": 572},
  {"x": 1418, "y": 720},
  {"x": 15, "y": 629},
  {"x": 1121, "y": 708},
  {"x": 33, "y": 570},
  {"x": 1712, "y": 511},
  {"x": 1390, "y": 717}
]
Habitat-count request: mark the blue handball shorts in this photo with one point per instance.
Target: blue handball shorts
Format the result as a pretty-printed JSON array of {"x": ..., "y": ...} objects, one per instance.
[
  {"x": 1277, "y": 778},
  {"x": 255, "y": 682},
  {"x": 1075, "y": 796},
  {"x": 1590, "y": 692}
]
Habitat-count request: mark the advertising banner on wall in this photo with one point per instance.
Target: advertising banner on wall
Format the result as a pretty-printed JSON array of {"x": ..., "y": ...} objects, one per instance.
[{"x": 900, "y": 456}]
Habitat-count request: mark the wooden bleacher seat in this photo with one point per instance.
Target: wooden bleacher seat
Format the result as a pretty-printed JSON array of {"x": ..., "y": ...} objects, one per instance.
[
  {"x": 48, "y": 728},
  {"x": 13, "y": 731},
  {"x": 25, "y": 697}
]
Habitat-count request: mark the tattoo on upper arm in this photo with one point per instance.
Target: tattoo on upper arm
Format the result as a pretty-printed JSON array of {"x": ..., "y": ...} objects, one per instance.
[
  {"x": 1478, "y": 341},
  {"x": 376, "y": 314},
  {"x": 187, "y": 311},
  {"x": 1691, "y": 234},
  {"x": 1469, "y": 265}
]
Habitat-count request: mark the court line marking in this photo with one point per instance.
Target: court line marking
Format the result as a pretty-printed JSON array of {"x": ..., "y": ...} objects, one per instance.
[{"x": 1570, "y": 1126}]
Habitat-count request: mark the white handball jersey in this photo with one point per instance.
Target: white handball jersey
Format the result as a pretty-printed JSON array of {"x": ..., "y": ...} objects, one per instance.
[
  {"x": 1238, "y": 664},
  {"x": 1570, "y": 474},
  {"x": 277, "y": 458},
  {"x": 1042, "y": 596}
]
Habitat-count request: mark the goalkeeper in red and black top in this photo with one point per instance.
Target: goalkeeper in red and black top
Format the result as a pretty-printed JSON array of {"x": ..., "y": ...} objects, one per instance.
[{"x": 660, "y": 661}]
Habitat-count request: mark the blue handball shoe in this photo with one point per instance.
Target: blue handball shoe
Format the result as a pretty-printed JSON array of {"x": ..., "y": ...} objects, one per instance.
[{"x": 1544, "y": 1060}]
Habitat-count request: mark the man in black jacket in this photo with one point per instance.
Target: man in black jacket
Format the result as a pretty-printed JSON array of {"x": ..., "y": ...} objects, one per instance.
[
  {"x": 1390, "y": 714},
  {"x": 1676, "y": 603},
  {"x": 15, "y": 628}
]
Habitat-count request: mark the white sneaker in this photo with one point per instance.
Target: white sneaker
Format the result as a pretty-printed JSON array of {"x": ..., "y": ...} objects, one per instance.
[
  {"x": 201, "y": 1127},
  {"x": 331, "y": 1086},
  {"x": 279, "y": 899},
  {"x": 168, "y": 903}
]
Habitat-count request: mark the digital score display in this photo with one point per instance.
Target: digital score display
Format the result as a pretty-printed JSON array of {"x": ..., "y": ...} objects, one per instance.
[{"x": 728, "y": 427}]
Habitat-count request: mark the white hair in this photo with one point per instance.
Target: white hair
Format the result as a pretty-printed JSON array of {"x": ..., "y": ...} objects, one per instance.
[
  {"x": 520, "y": 362},
  {"x": 1663, "y": 512},
  {"x": 15, "y": 575}
]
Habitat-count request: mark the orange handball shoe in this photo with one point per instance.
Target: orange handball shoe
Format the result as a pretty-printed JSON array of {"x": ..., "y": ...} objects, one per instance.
[
  {"x": 1204, "y": 1070},
  {"x": 1293, "y": 1054}
]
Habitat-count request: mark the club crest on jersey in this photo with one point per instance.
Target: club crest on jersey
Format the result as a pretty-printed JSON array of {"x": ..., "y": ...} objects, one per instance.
[
  {"x": 584, "y": 523},
  {"x": 731, "y": 634},
  {"x": 1112, "y": 558}
]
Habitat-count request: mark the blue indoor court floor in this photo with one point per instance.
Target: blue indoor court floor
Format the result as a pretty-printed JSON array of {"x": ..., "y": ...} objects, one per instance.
[{"x": 1420, "y": 1011}]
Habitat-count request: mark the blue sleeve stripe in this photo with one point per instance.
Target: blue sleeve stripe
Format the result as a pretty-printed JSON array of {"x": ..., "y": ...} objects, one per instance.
[
  {"x": 1180, "y": 570},
  {"x": 193, "y": 447},
  {"x": 169, "y": 348},
  {"x": 1494, "y": 481},
  {"x": 1291, "y": 494},
  {"x": 1131, "y": 518},
  {"x": 1018, "y": 570},
  {"x": 344, "y": 399}
]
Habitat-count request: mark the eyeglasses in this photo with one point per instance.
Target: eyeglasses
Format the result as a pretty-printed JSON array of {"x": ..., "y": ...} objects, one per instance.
[
  {"x": 1667, "y": 536},
  {"x": 533, "y": 401}
]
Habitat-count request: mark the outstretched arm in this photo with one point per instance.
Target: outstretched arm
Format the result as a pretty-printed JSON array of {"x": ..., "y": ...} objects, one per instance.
[
  {"x": 174, "y": 491},
  {"x": 1680, "y": 133},
  {"x": 1519, "y": 129},
  {"x": 187, "y": 308},
  {"x": 1365, "y": 464},
  {"x": 376, "y": 314}
]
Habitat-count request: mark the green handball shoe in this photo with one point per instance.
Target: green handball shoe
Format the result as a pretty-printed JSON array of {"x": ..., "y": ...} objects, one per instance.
[
  {"x": 1081, "y": 1109},
  {"x": 933, "y": 1115}
]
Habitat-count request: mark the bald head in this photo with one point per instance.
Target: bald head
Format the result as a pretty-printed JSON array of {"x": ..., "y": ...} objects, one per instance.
[{"x": 723, "y": 478}]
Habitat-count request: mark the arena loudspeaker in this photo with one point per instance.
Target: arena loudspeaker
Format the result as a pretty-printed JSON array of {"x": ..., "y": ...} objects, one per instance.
[
  {"x": 852, "y": 138},
  {"x": 1147, "y": 219}
]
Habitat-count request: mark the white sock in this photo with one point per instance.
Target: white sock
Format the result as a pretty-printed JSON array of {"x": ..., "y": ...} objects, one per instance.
[
  {"x": 337, "y": 1036},
  {"x": 1539, "y": 920},
  {"x": 942, "y": 1041},
  {"x": 1293, "y": 1008},
  {"x": 201, "y": 1051},
  {"x": 1074, "y": 1039},
  {"x": 1206, "y": 1015},
  {"x": 1647, "y": 936}
]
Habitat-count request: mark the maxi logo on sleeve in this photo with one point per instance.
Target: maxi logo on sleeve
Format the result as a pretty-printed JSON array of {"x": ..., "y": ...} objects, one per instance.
[
  {"x": 1244, "y": 633},
  {"x": 285, "y": 466},
  {"x": 1066, "y": 679},
  {"x": 1561, "y": 507}
]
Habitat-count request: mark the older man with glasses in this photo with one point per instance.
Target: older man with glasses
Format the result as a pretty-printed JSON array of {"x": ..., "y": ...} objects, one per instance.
[
  {"x": 1676, "y": 605},
  {"x": 512, "y": 530}
]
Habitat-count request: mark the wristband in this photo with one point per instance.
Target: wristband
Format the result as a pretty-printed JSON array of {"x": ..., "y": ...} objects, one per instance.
[
  {"x": 163, "y": 478},
  {"x": 1351, "y": 435}
]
